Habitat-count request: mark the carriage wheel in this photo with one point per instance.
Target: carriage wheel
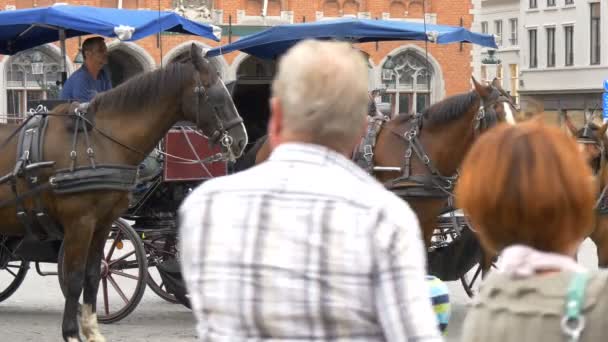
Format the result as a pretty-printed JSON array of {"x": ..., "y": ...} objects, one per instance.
[
  {"x": 471, "y": 280},
  {"x": 12, "y": 278},
  {"x": 158, "y": 249},
  {"x": 123, "y": 274}
]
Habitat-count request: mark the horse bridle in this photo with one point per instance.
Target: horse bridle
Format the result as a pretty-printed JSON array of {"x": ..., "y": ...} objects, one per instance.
[
  {"x": 587, "y": 137},
  {"x": 221, "y": 133},
  {"x": 481, "y": 121},
  {"x": 437, "y": 184}
]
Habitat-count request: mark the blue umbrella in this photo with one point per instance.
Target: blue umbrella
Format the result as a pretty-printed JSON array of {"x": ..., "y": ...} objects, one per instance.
[
  {"x": 275, "y": 41},
  {"x": 24, "y": 29}
]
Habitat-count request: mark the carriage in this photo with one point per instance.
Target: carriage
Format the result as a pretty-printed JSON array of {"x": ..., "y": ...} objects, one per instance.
[{"x": 142, "y": 247}]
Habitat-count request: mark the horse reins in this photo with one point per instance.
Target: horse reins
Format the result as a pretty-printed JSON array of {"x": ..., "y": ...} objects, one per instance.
[{"x": 437, "y": 180}]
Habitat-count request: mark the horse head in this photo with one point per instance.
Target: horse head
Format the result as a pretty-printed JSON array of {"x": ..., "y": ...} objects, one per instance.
[
  {"x": 592, "y": 141},
  {"x": 496, "y": 104},
  {"x": 209, "y": 104}
]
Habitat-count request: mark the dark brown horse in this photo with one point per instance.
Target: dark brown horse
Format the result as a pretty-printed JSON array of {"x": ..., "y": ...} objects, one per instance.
[
  {"x": 129, "y": 121},
  {"x": 437, "y": 141},
  {"x": 593, "y": 142}
]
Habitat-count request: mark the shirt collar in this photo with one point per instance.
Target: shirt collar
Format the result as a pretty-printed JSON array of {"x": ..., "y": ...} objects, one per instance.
[{"x": 312, "y": 153}]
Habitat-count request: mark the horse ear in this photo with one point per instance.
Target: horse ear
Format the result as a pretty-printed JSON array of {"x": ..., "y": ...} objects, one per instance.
[
  {"x": 197, "y": 58},
  {"x": 569, "y": 123},
  {"x": 496, "y": 83},
  {"x": 480, "y": 89}
]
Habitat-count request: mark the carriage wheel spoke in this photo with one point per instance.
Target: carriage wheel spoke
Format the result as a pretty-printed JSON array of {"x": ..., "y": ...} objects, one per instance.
[
  {"x": 113, "y": 247},
  {"x": 110, "y": 263},
  {"x": 123, "y": 274},
  {"x": 118, "y": 290},
  {"x": 14, "y": 266},
  {"x": 11, "y": 272},
  {"x": 106, "y": 303}
]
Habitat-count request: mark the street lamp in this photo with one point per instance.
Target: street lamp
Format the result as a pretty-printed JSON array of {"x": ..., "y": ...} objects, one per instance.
[{"x": 491, "y": 58}]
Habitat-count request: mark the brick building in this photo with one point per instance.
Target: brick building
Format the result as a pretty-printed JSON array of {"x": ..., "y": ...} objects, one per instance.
[{"x": 401, "y": 67}]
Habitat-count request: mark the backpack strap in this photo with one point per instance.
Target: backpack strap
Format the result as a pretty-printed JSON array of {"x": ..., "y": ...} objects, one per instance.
[{"x": 573, "y": 321}]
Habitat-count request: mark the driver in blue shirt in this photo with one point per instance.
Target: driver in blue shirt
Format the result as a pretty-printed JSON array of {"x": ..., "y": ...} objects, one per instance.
[{"x": 91, "y": 78}]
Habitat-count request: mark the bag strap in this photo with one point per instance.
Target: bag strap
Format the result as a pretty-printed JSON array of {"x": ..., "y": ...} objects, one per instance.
[{"x": 573, "y": 321}]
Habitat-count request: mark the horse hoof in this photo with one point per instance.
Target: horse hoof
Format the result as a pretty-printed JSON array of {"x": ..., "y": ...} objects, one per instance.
[
  {"x": 96, "y": 338},
  {"x": 73, "y": 339}
]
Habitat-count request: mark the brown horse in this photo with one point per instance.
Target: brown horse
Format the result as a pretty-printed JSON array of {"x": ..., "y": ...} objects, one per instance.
[
  {"x": 437, "y": 141},
  {"x": 592, "y": 142},
  {"x": 129, "y": 121}
]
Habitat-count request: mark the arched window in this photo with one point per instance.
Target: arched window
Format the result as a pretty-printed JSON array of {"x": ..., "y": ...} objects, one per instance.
[
  {"x": 397, "y": 9},
  {"x": 407, "y": 78},
  {"x": 31, "y": 75}
]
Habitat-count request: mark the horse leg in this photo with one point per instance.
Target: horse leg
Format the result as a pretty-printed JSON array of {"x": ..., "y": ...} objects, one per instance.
[
  {"x": 76, "y": 241},
  {"x": 88, "y": 319},
  {"x": 600, "y": 238}
]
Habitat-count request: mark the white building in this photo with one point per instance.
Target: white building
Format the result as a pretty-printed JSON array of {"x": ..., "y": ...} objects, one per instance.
[
  {"x": 501, "y": 18},
  {"x": 564, "y": 63},
  {"x": 558, "y": 60}
]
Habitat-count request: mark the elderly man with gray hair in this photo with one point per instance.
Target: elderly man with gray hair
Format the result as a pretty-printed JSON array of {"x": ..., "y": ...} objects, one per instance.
[{"x": 306, "y": 246}]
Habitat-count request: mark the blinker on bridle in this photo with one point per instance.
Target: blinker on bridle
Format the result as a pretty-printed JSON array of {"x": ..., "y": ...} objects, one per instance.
[{"x": 220, "y": 134}]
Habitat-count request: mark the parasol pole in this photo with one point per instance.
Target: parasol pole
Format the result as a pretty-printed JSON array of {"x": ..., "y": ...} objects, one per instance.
[{"x": 64, "y": 63}]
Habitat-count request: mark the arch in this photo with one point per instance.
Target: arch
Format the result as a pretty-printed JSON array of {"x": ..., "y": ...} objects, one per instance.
[
  {"x": 397, "y": 9},
  {"x": 437, "y": 81},
  {"x": 351, "y": 7},
  {"x": 415, "y": 9},
  {"x": 331, "y": 8},
  {"x": 256, "y": 68},
  {"x": 218, "y": 62},
  {"x": 274, "y": 8},
  {"x": 253, "y": 7},
  {"x": 50, "y": 49},
  {"x": 126, "y": 59}
]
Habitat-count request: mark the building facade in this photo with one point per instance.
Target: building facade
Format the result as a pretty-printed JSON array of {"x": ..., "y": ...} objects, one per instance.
[
  {"x": 500, "y": 18},
  {"x": 564, "y": 61},
  {"x": 414, "y": 74}
]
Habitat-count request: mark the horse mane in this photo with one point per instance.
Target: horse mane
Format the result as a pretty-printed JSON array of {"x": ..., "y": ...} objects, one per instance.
[
  {"x": 146, "y": 90},
  {"x": 445, "y": 111}
]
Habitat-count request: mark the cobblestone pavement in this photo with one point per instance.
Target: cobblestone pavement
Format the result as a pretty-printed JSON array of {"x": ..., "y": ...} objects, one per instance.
[{"x": 33, "y": 313}]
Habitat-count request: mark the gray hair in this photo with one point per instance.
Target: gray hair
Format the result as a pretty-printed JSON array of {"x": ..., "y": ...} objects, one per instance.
[{"x": 323, "y": 91}]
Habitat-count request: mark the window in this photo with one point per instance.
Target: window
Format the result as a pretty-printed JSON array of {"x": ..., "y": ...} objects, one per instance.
[
  {"x": 514, "y": 68},
  {"x": 533, "y": 51},
  {"x": 550, "y": 3},
  {"x": 550, "y": 46},
  {"x": 407, "y": 80},
  {"x": 484, "y": 27},
  {"x": 513, "y": 24},
  {"x": 569, "y": 2},
  {"x": 30, "y": 76},
  {"x": 569, "y": 45},
  {"x": 498, "y": 31},
  {"x": 533, "y": 4},
  {"x": 595, "y": 33}
]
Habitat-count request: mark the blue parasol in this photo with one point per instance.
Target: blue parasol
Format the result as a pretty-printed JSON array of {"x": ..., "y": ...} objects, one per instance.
[
  {"x": 275, "y": 41},
  {"x": 27, "y": 28}
]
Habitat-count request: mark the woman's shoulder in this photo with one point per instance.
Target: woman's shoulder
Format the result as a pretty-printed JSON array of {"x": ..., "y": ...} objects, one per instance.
[{"x": 541, "y": 294}]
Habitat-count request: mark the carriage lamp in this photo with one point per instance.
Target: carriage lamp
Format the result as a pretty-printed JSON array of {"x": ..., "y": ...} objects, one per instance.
[
  {"x": 37, "y": 63},
  {"x": 491, "y": 58}
]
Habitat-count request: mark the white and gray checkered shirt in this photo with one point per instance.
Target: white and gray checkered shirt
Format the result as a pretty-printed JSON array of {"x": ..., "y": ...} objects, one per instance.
[{"x": 304, "y": 247}]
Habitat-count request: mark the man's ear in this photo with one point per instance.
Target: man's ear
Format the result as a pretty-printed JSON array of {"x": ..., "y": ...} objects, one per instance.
[{"x": 275, "y": 124}]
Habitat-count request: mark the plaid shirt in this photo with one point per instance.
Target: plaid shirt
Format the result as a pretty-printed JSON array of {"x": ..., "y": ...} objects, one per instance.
[{"x": 304, "y": 247}]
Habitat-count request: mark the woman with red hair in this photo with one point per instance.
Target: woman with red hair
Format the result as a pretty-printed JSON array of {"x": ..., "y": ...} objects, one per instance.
[{"x": 529, "y": 194}]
